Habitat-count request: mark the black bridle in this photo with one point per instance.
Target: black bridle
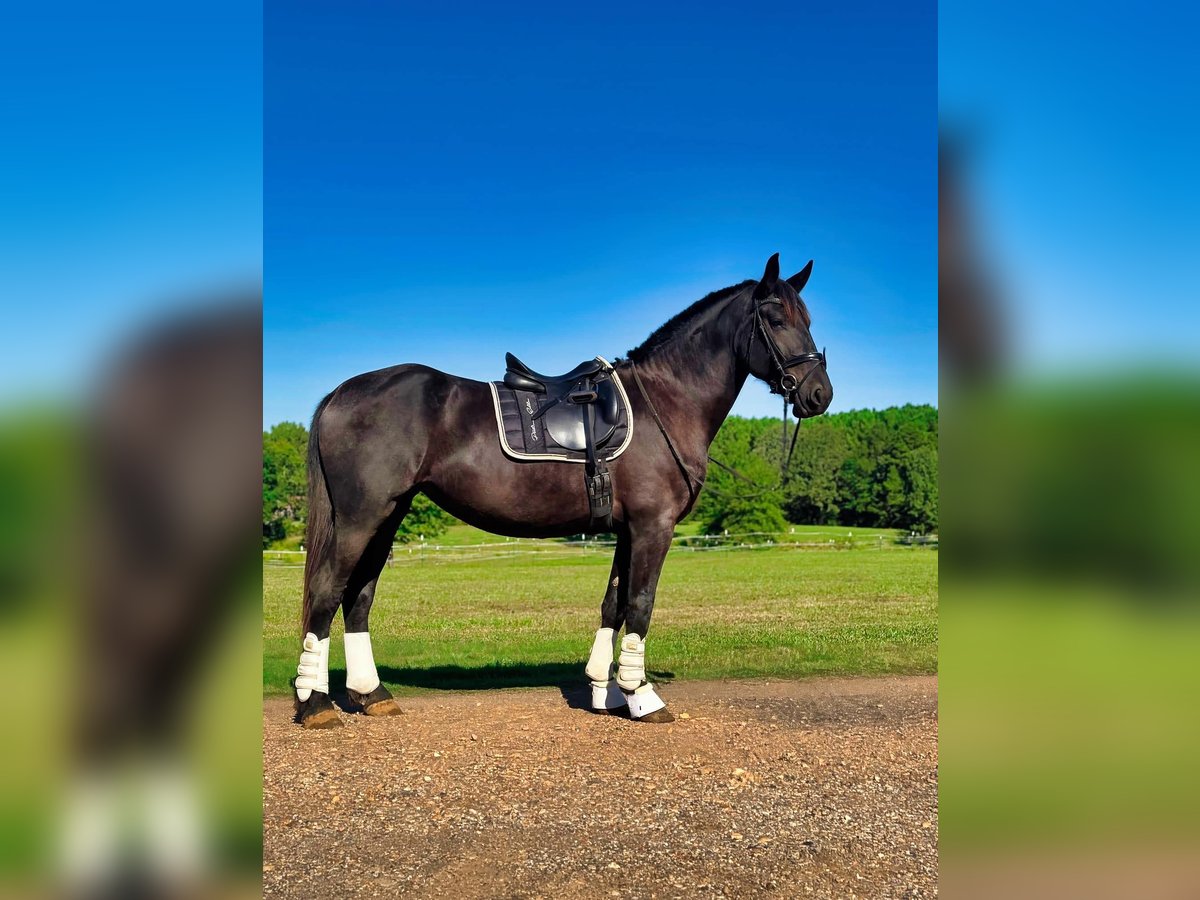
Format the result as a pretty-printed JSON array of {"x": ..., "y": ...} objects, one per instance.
[{"x": 786, "y": 384}]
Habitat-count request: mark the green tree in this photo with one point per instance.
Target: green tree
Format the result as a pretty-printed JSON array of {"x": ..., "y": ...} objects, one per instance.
[
  {"x": 285, "y": 481},
  {"x": 811, "y": 494},
  {"x": 425, "y": 519},
  {"x": 729, "y": 503},
  {"x": 919, "y": 509},
  {"x": 747, "y": 510}
]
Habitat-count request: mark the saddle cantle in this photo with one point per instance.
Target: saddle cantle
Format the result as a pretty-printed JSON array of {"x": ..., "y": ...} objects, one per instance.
[{"x": 580, "y": 416}]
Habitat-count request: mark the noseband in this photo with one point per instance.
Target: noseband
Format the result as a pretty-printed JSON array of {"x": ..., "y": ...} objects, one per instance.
[{"x": 786, "y": 384}]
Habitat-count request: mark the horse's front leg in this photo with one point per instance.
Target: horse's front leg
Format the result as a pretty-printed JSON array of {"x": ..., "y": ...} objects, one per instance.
[
  {"x": 648, "y": 551},
  {"x": 606, "y": 696}
]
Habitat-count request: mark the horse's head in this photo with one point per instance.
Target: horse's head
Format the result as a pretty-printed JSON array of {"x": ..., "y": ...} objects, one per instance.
[{"x": 780, "y": 348}]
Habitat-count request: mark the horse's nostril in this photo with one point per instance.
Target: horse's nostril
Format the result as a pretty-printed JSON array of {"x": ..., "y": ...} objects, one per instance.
[{"x": 817, "y": 395}]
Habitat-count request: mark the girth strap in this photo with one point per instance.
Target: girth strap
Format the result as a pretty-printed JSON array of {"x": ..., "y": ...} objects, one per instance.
[{"x": 596, "y": 477}]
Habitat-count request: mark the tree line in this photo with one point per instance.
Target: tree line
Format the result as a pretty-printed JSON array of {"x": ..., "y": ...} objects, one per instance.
[{"x": 865, "y": 468}]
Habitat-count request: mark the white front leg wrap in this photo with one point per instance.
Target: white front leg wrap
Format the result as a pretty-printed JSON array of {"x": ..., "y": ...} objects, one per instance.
[
  {"x": 631, "y": 676},
  {"x": 313, "y": 672},
  {"x": 631, "y": 664},
  {"x": 175, "y": 834},
  {"x": 605, "y": 694},
  {"x": 599, "y": 667},
  {"x": 360, "y": 663}
]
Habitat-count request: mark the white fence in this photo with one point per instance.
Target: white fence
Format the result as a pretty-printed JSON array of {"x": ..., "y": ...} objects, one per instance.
[{"x": 418, "y": 552}]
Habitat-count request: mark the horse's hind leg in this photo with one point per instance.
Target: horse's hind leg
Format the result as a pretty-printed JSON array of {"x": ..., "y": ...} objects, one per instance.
[
  {"x": 606, "y": 696},
  {"x": 330, "y": 579},
  {"x": 362, "y": 679},
  {"x": 350, "y": 566}
]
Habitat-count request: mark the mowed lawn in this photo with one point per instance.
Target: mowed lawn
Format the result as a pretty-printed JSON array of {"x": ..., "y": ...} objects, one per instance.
[{"x": 525, "y": 621}]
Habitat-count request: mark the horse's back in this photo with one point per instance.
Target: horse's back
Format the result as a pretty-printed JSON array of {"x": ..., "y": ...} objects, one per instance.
[{"x": 393, "y": 414}]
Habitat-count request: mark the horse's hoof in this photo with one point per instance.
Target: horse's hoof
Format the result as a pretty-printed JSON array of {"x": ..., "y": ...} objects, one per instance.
[
  {"x": 377, "y": 703},
  {"x": 326, "y": 718},
  {"x": 387, "y": 707},
  {"x": 317, "y": 711},
  {"x": 658, "y": 717}
]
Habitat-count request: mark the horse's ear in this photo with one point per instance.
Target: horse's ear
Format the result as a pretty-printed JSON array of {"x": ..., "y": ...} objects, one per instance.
[
  {"x": 800, "y": 279},
  {"x": 770, "y": 278}
]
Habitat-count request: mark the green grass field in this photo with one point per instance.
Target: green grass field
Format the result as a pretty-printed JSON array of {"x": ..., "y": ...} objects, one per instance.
[{"x": 525, "y": 621}]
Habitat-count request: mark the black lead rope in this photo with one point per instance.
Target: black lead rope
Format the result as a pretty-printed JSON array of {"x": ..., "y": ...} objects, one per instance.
[
  {"x": 734, "y": 472},
  {"x": 785, "y": 473}
]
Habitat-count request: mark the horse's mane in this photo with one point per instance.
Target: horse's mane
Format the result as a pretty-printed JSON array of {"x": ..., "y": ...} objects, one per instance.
[{"x": 667, "y": 332}]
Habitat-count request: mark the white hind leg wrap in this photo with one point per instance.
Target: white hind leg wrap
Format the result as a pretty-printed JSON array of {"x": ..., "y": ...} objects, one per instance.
[
  {"x": 313, "y": 672},
  {"x": 360, "y": 663}
]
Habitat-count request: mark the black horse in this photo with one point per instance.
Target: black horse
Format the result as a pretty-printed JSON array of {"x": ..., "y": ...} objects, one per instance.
[{"x": 383, "y": 437}]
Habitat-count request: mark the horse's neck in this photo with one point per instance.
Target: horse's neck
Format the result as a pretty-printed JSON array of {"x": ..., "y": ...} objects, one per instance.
[{"x": 700, "y": 376}]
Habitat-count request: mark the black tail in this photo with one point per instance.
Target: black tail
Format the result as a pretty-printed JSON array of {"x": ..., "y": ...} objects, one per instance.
[{"x": 319, "y": 527}]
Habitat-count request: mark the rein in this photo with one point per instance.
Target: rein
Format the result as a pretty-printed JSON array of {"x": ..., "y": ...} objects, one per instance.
[
  {"x": 687, "y": 473},
  {"x": 688, "y": 477},
  {"x": 786, "y": 385}
]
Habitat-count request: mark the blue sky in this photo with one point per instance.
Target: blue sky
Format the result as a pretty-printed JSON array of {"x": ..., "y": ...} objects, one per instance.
[
  {"x": 130, "y": 176},
  {"x": 444, "y": 185}
]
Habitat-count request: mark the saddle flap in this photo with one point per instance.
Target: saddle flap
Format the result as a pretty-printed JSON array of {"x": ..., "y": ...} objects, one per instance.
[{"x": 564, "y": 420}]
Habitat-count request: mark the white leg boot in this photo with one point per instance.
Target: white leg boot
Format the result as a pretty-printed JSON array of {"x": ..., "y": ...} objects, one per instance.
[
  {"x": 361, "y": 674},
  {"x": 314, "y": 708},
  {"x": 173, "y": 819},
  {"x": 606, "y": 696},
  {"x": 362, "y": 679},
  {"x": 89, "y": 840},
  {"x": 631, "y": 677},
  {"x": 313, "y": 672}
]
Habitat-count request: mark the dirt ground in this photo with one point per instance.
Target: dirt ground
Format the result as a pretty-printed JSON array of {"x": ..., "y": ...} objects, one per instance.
[{"x": 819, "y": 788}]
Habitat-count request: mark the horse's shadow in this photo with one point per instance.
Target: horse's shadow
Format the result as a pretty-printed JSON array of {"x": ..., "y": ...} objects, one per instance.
[{"x": 567, "y": 677}]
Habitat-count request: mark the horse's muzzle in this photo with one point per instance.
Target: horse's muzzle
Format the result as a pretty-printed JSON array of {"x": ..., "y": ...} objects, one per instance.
[{"x": 813, "y": 402}]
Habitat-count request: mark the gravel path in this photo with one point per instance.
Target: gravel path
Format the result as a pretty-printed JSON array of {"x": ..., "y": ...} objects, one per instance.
[{"x": 819, "y": 788}]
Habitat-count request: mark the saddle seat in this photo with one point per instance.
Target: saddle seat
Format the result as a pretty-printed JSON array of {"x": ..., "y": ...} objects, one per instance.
[
  {"x": 550, "y": 417},
  {"x": 567, "y": 399},
  {"x": 520, "y": 377}
]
